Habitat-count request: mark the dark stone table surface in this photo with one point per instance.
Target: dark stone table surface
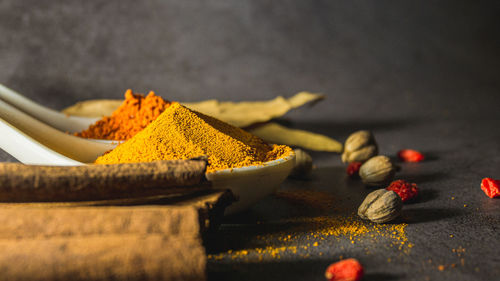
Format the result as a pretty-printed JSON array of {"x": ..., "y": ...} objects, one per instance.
[{"x": 419, "y": 75}]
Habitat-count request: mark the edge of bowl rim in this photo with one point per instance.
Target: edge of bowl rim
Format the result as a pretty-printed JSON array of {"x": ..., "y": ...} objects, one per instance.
[{"x": 271, "y": 163}]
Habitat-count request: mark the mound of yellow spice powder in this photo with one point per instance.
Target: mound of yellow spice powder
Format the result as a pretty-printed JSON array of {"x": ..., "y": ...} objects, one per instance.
[{"x": 181, "y": 133}]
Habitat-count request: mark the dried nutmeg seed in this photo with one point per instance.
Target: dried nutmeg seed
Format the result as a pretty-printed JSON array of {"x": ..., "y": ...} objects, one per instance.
[
  {"x": 359, "y": 147},
  {"x": 303, "y": 164},
  {"x": 377, "y": 171},
  {"x": 381, "y": 206}
]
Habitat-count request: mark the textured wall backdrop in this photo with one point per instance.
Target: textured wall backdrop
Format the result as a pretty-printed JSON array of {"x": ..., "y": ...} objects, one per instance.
[{"x": 383, "y": 58}]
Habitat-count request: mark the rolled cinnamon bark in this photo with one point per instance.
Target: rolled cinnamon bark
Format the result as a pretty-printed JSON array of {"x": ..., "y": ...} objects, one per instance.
[
  {"x": 103, "y": 257},
  {"x": 28, "y": 183},
  {"x": 189, "y": 216},
  {"x": 36, "y": 222},
  {"x": 89, "y": 241}
]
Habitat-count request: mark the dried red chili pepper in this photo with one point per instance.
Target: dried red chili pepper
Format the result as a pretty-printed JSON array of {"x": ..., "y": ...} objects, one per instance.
[
  {"x": 345, "y": 270},
  {"x": 491, "y": 187},
  {"x": 353, "y": 169},
  {"x": 404, "y": 189},
  {"x": 410, "y": 155}
]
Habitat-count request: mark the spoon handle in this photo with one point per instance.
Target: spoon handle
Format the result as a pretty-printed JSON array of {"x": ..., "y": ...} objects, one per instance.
[
  {"x": 30, "y": 183},
  {"x": 79, "y": 149},
  {"x": 47, "y": 115}
]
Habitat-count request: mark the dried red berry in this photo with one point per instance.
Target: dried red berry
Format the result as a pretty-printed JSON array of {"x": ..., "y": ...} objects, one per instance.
[
  {"x": 410, "y": 155},
  {"x": 491, "y": 187},
  {"x": 353, "y": 169},
  {"x": 404, "y": 189},
  {"x": 345, "y": 270}
]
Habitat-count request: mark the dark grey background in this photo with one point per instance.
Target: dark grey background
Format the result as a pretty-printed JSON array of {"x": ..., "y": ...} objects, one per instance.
[{"x": 421, "y": 75}]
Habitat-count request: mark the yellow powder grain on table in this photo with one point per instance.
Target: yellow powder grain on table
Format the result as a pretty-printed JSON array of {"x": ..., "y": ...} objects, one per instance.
[
  {"x": 306, "y": 233},
  {"x": 181, "y": 133}
]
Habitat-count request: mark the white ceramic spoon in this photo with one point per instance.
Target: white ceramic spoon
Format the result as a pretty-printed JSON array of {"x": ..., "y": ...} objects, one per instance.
[
  {"x": 56, "y": 119},
  {"x": 29, "y": 151},
  {"x": 41, "y": 141}
]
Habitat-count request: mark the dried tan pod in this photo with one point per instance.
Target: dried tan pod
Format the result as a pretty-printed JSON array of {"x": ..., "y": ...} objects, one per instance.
[
  {"x": 273, "y": 132},
  {"x": 377, "y": 171},
  {"x": 239, "y": 114},
  {"x": 381, "y": 206},
  {"x": 303, "y": 164},
  {"x": 359, "y": 146}
]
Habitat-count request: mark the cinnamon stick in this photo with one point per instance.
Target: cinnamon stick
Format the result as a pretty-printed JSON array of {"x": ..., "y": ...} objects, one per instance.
[
  {"x": 103, "y": 257},
  {"x": 189, "y": 216},
  {"x": 28, "y": 183},
  {"x": 107, "y": 240},
  {"x": 36, "y": 222}
]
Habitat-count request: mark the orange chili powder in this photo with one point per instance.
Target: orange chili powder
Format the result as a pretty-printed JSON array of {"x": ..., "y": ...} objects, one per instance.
[{"x": 135, "y": 113}]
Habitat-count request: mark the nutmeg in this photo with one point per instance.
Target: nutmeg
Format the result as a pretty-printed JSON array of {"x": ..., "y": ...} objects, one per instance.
[
  {"x": 377, "y": 171},
  {"x": 359, "y": 147},
  {"x": 381, "y": 206}
]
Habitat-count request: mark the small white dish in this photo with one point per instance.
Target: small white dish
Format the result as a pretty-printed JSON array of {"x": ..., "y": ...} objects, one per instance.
[
  {"x": 249, "y": 184},
  {"x": 252, "y": 183},
  {"x": 37, "y": 139}
]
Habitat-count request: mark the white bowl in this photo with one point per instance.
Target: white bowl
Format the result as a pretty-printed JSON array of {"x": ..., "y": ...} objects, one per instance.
[{"x": 252, "y": 183}]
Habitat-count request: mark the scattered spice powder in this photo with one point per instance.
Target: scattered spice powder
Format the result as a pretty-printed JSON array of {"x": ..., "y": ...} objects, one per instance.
[
  {"x": 181, "y": 133},
  {"x": 318, "y": 229},
  {"x": 135, "y": 113},
  {"x": 460, "y": 251},
  {"x": 343, "y": 226},
  {"x": 308, "y": 233}
]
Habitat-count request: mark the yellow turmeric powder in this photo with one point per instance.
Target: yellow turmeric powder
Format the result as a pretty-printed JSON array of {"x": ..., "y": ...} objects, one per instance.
[
  {"x": 180, "y": 133},
  {"x": 303, "y": 234},
  {"x": 133, "y": 115}
]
